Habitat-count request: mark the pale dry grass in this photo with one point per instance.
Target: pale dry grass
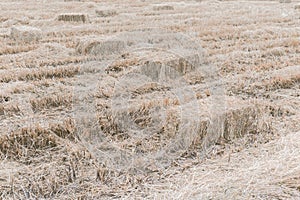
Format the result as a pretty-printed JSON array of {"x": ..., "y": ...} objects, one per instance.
[
  {"x": 38, "y": 74},
  {"x": 16, "y": 49},
  {"x": 269, "y": 171},
  {"x": 9, "y": 109},
  {"x": 55, "y": 100},
  {"x": 245, "y": 148}
]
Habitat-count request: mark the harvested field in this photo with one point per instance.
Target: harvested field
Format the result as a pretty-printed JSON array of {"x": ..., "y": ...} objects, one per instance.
[{"x": 149, "y": 99}]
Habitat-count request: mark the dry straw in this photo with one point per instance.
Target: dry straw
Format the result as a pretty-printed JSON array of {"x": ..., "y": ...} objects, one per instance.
[{"x": 173, "y": 146}]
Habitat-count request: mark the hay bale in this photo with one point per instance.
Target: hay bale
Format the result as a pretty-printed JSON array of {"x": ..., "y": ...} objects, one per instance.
[
  {"x": 73, "y": 17},
  {"x": 161, "y": 119},
  {"x": 25, "y": 34},
  {"x": 162, "y": 7},
  {"x": 156, "y": 64},
  {"x": 285, "y": 1},
  {"x": 100, "y": 46},
  {"x": 106, "y": 13},
  {"x": 170, "y": 67}
]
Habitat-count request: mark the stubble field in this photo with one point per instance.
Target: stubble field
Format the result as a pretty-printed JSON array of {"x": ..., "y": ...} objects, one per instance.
[{"x": 149, "y": 99}]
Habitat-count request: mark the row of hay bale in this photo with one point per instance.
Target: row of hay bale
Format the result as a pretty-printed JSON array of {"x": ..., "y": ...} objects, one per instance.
[
  {"x": 139, "y": 103},
  {"x": 136, "y": 43},
  {"x": 84, "y": 18},
  {"x": 145, "y": 106},
  {"x": 31, "y": 34},
  {"x": 146, "y": 103},
  {"x": 80, "y": 17},
  {"x": 106, "y": 12}
]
